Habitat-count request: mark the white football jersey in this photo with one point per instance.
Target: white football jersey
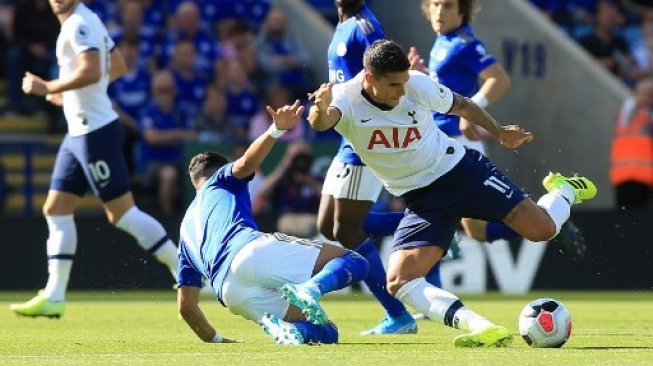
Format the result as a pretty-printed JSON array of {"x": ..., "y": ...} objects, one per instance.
[
  {"x": 88, "y": 108},
  {"x": 403, "y": 146}
]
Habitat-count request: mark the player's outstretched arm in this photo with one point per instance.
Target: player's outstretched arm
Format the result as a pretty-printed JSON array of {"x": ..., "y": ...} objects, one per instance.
[
  {"x": 511, "y": 136},
  {"x": 321, "y": 116},
  {"x": 188, "y": 302},
  {"x": 283, "y": 119}
]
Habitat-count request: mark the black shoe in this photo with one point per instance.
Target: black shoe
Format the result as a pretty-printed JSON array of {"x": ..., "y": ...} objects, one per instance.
[{"x": 570, "y": 240}]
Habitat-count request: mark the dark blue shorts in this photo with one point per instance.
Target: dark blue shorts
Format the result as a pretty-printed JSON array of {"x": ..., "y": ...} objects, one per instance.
[
  {"x": 474, "y": 188},
  {"x": 93, "y": 160}
]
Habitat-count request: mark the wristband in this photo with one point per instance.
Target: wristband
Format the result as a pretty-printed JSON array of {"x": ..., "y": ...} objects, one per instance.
[
  {"x": 274, "y": 132},
  {"x": 480, "y": 100},
  {"x": 217, "y": 338}
]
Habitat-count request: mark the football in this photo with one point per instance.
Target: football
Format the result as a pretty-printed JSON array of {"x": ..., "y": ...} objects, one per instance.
[{"x": 545, "y": 323}]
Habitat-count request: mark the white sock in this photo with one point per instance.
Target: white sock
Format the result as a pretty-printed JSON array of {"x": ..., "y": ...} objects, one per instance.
[
  {"x": 151, "y": 236},
  {"x": 61, "y": 248},
  {"x": 440, "y": 306},
  {"x": 557, "y": 207}
]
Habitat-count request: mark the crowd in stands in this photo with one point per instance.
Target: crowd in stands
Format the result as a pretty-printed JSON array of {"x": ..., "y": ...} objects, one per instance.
[
  {"x": 203, "y": 70},
  {"x": 199, "y": 70},
  {"x": 618, "y": 33}
]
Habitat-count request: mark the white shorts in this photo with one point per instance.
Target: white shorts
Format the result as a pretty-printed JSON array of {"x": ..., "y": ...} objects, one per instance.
[
  {"x": 353, "y": 182},
  {"x": 477, "y": 145},
  {"x": 253, "y": 283}
]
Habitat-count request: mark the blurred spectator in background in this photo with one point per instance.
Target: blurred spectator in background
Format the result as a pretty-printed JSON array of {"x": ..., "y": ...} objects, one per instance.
[
  {"x": 212, "y": 124},
  {"x": 632, "y": 149},
  {"x": 131, "y": 26},
  {"x": 607, "y": 46},
  {"x": 104, "y": 10},
  {"x": 573, "y": 16},
  {"x": 154, "y": 17},
  {"x": 130, "y": 96},
  {"x": 252, "y": 12},
  {"x": 209, "y": 11},
  {"x": 238, "y": 45},
  {"x": 275, "y": 97},
  {"x": 165, "y": 132},
  {"x": 281, "y": 57},
  {"x": 640, "y": 40},
  {"x": 293, "y": 192},
  {"x": 186, "y": 26},
  {"x": 242, "y": 100},
  {"x": 34, "y": 35},
  {"x": 190, "y": 83}
]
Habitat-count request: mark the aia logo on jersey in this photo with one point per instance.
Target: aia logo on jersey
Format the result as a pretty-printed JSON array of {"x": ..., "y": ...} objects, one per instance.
[{"x": 400, "y": 138}]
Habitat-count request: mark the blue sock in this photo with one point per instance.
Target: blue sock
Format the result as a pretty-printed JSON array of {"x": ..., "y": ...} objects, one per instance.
[
  {"x": 313, "y": 333},
  {"x": 341, "y": 272},
  {"x": 379, "y": 224},
  {"x": 497, "y": 230},
  {"x": 433, "y": 277},
  {"x": 376, "y": 280}
]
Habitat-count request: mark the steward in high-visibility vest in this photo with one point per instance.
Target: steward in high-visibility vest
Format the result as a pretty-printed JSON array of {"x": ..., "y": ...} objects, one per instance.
[{"x": 632, "y": 147}]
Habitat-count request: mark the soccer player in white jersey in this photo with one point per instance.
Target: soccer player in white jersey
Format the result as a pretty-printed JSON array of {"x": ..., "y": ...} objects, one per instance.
[
  {"x": 385, "y": 112},
  {"x": 249, "y": 270},
  {"x": 90, "y": 155}
]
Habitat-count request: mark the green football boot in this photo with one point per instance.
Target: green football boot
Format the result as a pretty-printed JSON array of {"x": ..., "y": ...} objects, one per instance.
[
  {"x": 492, "y": 336},
  {"x": 39, "y": 306},
  {"x": 583, "y": 188}
]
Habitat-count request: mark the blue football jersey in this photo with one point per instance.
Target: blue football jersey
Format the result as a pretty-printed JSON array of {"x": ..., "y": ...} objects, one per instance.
[
  {"x": 217, "y": 224},
  {"x": 455, "y": 61},
  {"x": 345, "y": 55}
]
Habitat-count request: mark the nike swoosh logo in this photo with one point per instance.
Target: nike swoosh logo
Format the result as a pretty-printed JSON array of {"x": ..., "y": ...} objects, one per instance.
[
  {"x": 365, "y": 120},
  {"x": 104, "y": 184},
  {"x": 510, "y": 195}
]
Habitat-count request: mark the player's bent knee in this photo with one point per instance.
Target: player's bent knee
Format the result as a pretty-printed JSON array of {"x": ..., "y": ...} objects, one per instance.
[{"x": 397, "y": 281}]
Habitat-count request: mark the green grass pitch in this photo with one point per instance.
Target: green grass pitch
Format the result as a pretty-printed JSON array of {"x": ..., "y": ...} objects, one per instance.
[{"x": 142, "y": 328}]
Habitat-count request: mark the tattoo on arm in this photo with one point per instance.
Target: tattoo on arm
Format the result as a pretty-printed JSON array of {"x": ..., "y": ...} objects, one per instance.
[{"x": 465, "y": 108}]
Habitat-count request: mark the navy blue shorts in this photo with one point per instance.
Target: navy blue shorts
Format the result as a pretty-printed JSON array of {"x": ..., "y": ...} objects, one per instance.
[
  {"x": 474, "y": 188},
  {"x": 93, "y": 160}
]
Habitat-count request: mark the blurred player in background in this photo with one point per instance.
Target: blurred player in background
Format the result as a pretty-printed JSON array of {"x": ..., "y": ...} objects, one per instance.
[
  {"x": 250, "y": 270},
  {"x": 385, "y": 112},
  {"x": 350, "y": 188},
  {"x": 90, "y": 155},
  {"x": 458, "y": 60}
]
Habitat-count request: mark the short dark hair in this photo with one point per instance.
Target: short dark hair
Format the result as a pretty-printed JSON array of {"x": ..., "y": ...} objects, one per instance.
[
  {"x": 466, "y": 7},
  {"x": 203, "y": 165},
  {"x": 350, "y": 7},
  {"x": 383, "y": 57}
]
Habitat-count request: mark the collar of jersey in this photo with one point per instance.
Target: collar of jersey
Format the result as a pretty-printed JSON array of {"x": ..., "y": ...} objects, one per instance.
[{"x": 381, "y": 106}]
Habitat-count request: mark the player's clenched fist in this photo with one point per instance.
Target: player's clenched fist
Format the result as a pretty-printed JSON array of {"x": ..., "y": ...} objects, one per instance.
[{"x": 33, "y": 84}]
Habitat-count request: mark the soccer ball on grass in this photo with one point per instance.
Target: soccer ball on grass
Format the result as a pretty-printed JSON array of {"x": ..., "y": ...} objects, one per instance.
[{"x": 545, "y": 323}]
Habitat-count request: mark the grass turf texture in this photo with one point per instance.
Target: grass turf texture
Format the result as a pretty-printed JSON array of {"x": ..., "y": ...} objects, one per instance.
[{"x": 142, "y": 328}]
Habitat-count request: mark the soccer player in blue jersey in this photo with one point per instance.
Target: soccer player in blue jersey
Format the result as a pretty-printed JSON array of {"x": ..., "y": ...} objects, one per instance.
[
  {"x": 250, "y": 270},
  {"x": 90, "y": 154},
  {"x": 350, "y": 188},
  {"x": 458, "y": 60}
]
